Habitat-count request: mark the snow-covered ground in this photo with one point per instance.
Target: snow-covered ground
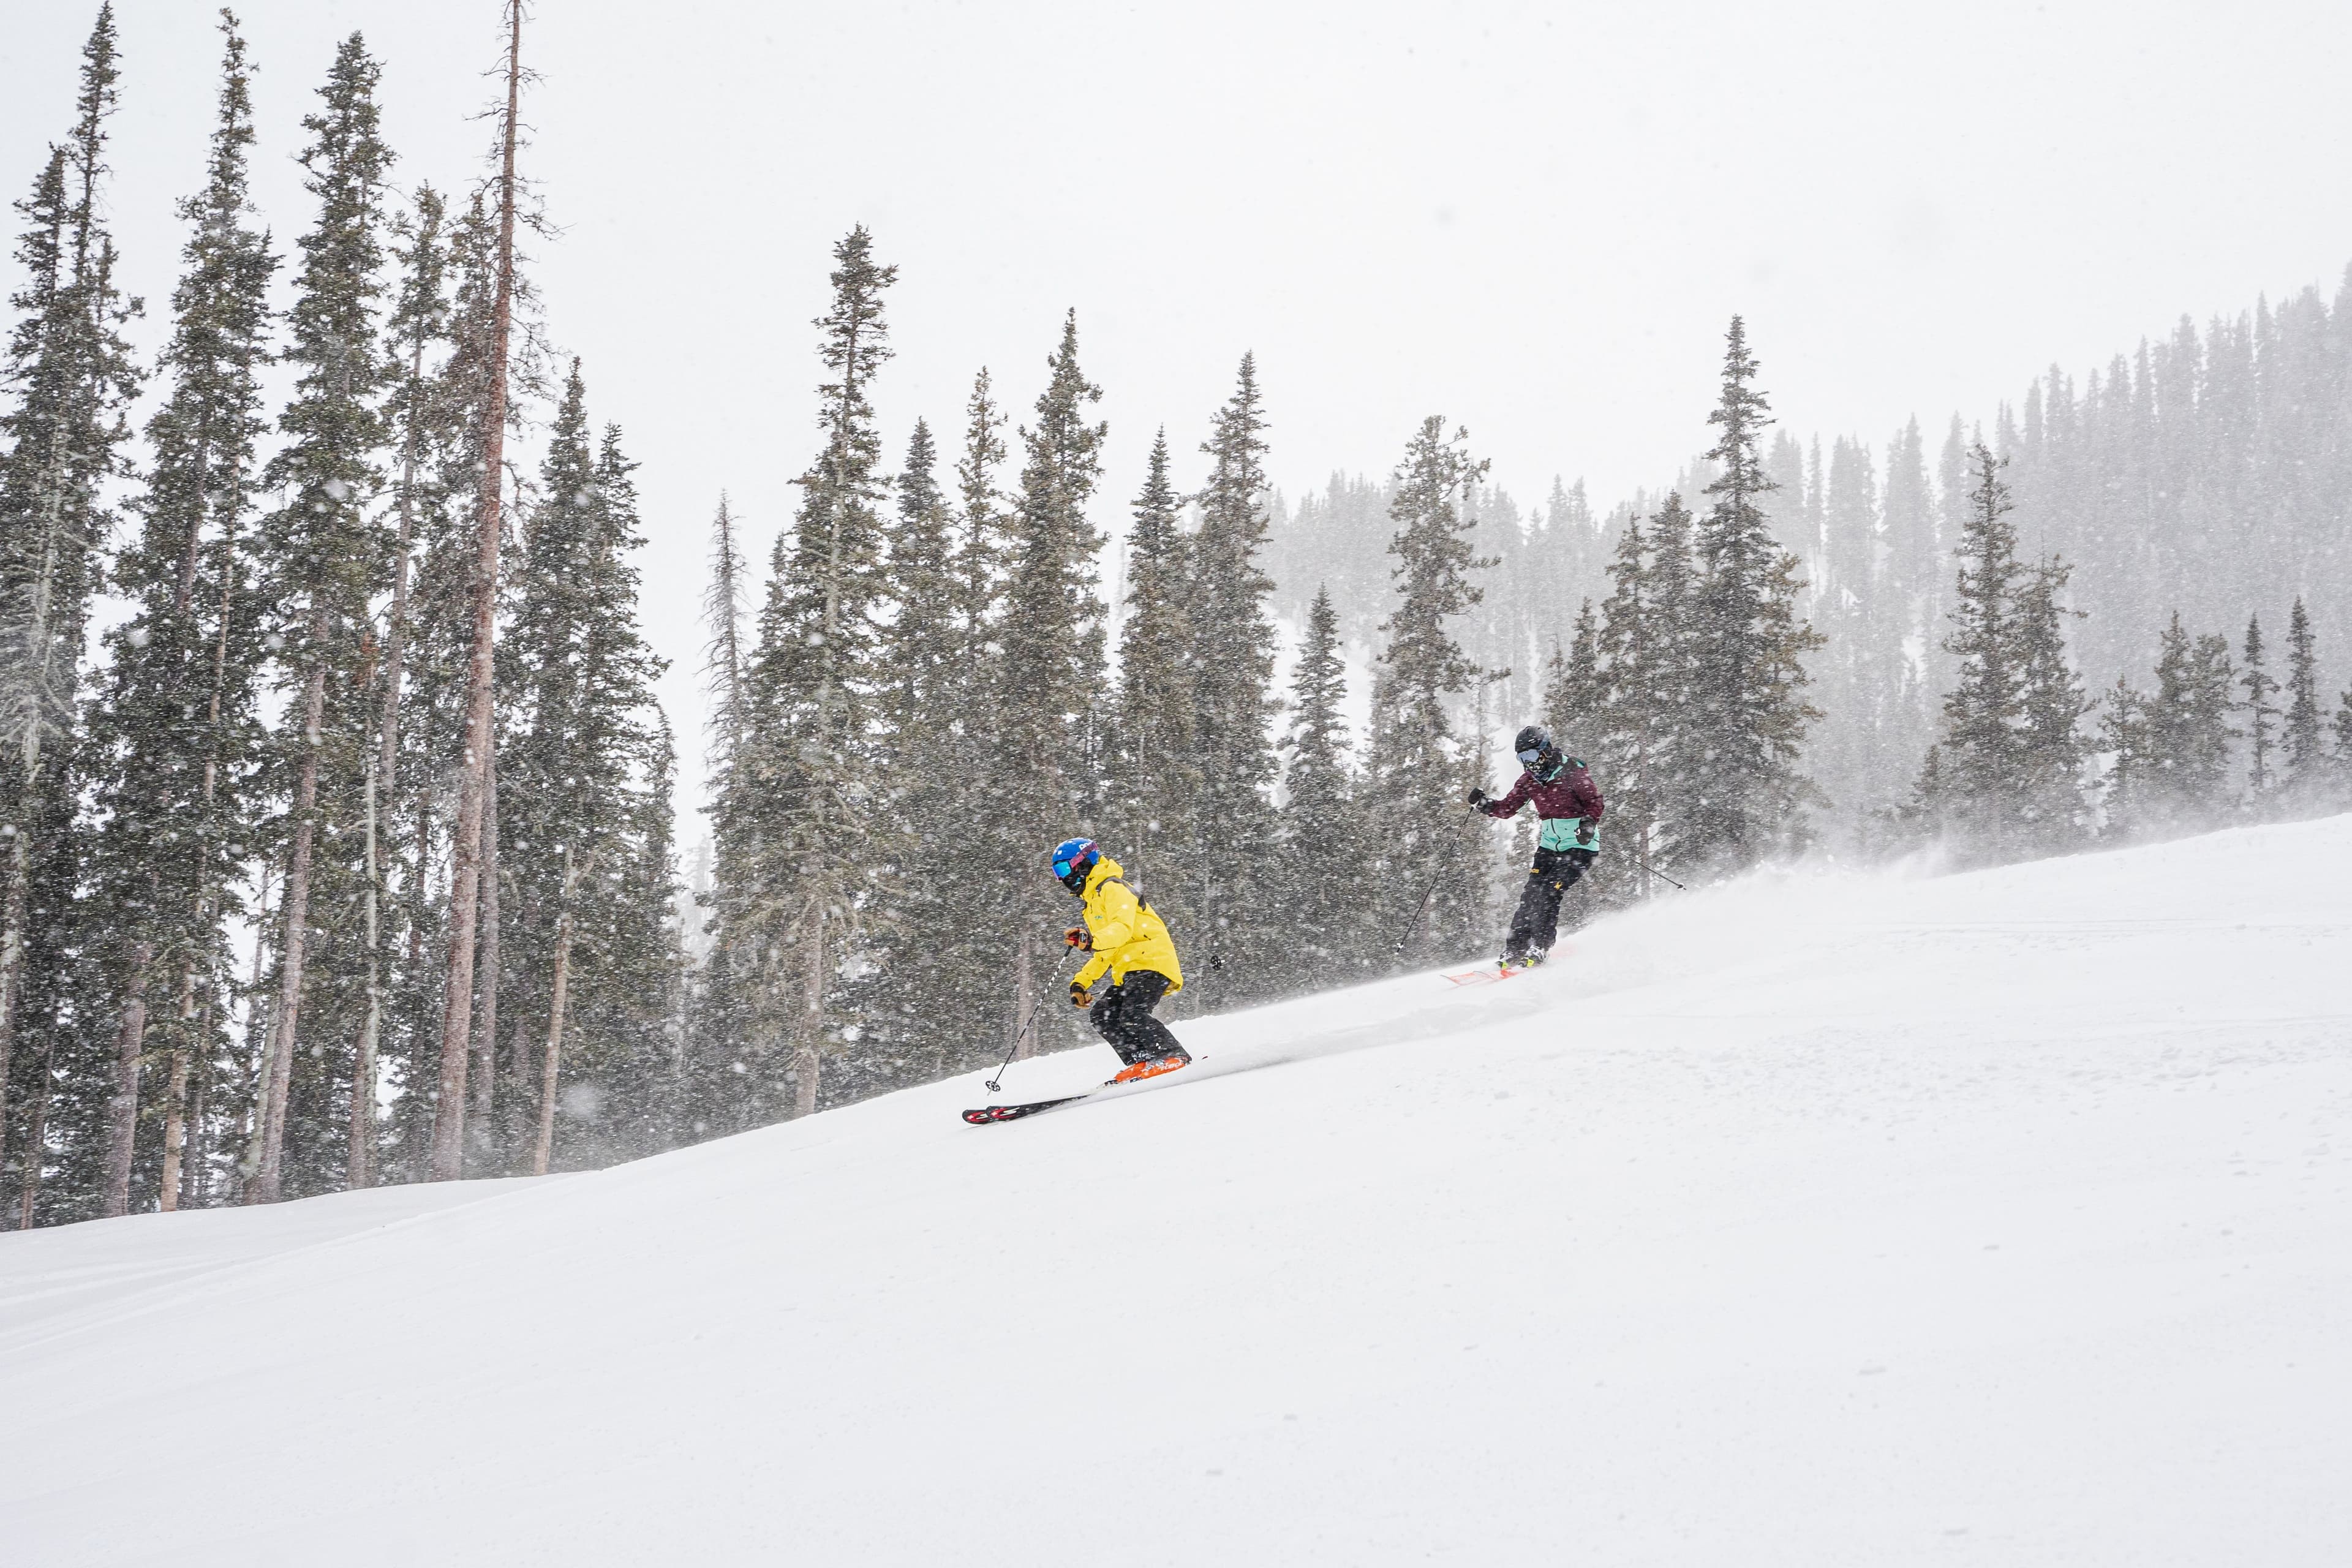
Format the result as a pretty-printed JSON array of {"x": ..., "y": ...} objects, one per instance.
[{"x": 1998, "y": 1218}]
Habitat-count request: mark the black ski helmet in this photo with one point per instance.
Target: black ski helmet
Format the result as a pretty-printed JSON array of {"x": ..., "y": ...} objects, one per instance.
[{"x": 1533, "y": 746}]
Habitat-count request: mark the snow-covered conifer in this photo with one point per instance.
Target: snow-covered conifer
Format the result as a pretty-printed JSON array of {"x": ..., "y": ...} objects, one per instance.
[
  {"x": 1232, "y": 643},
  {"x": 803, "y": 809},
  {"x": 1157, "y": 785},
  {"x": 71, "y": 376},
  {"x": 2300, "y": 743},
  {"x": 2261, "y": 714},
  {"x": 174, "y": 725},
  {"x": 1431, "y": 886},
  {"x": 321, "y": 561},
  {"x": 1746, "y": 794},
  {"x": 1322, "y": 845}
]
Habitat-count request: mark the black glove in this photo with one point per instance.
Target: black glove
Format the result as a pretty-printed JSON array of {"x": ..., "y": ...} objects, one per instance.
[
  {"x": 1079, "y": 938},
  {"x": 1077, "y": 997},
  {"x": 1584, "y": 835},
  {"x": 1478, "y": 797}
]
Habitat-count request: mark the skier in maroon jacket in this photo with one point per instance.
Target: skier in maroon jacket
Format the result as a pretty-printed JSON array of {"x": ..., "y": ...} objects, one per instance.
[{"x": 1569, "y": 804}]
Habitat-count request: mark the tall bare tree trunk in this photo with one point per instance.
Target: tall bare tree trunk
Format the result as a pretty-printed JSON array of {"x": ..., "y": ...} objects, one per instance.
[
  {"x": 561, "y": 990},
  {"x": 257, "y": 1028},
  {"x": 195, "y": 1020},
  {"x": 805, "y": 1060},
  {"x": 175, "y": 1132},
  {"x": 123, "y": 1105},
  {"x": 359, "y": 1162},
  {"x": 458, "y": 996},
  {"x": 277, "y": 1084},
  {"x": 35, "y": 1141},
  {"x": 481, "y": 1125}
]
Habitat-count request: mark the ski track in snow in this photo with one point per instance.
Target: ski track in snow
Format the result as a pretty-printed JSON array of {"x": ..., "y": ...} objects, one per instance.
[{"x": 1820, "y": 1219}]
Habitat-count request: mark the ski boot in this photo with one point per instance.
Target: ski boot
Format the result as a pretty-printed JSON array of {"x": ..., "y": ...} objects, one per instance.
[{"x": 1150, "y": 1067}]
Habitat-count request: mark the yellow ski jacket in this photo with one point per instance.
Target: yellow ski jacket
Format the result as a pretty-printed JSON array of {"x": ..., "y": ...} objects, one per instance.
[{"x": 1126, "y": 933}]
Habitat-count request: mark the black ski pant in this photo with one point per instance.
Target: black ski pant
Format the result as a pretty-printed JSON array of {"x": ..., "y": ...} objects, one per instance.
[
  {"x": 1122, "y": 1014},
  {"x": 1536, "y": 924}
]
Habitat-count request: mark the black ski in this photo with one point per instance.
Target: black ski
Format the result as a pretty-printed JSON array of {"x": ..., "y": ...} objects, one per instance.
[{"x": 988, "y": 1113}]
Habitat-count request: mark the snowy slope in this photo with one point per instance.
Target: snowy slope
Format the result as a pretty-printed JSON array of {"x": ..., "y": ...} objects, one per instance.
[{"x": 2000, "y": 1218}]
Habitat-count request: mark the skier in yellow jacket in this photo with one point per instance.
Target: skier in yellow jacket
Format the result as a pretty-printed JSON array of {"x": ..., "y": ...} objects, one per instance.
[{"x": 1131, "y": 942}]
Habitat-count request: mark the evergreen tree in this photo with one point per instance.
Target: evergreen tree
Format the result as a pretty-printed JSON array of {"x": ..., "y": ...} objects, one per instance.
[
  {"x": 1233, "y": 670},
  {"x": 1679, "y": 741},
  {"x": 803, "y": 812},
  {"x": 473, "y": 874},
  {"x": 1748, "y": 644},
  {"x": 1617, "y": 726},
  {"x": 2188, "y": 731},
  {"x": 923, "y": 946},
  {"x": 2299, "y": 740},
  {"x": 719, "y": 1019},
  {"x": 2051, "y": 749},
  {"x": 2129, "y": 785},
  {"x": 584, "y": 801},
  {"x": 174, "y": 742},
  {"x": 1048, "y": 754},
  {"x": 402, "y": 1016},
  {"x": 1981, "y": 757},
  {"x": 1321, "y": 844},
  {"x": 1432, "y": 902},
  {"x": 1154, "y": 815},
  {"x": 2262, "y": 713},
  {"x": 71, "y": 373},
  {"x": 322, "y": 560}
]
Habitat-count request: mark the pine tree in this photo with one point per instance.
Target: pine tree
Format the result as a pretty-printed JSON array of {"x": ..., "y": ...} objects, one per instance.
[
  {"x": 2299, "y": 740},
  {"x": 1154, "y": 814},
  {"x": 1431, "y": 894},
  {"x": 1679, "y": 740},
  {"x": 476, "y": 806},
  {"x": 1233, "y": 670},
  {"x": 1616, "y": 726},
  {"x": 1747, "y": 796},
  {"x": 2129, "y": 785},
  {"x": 72, "y": 376},
  {"x": 174, "y": 725},
  {"x": 718, "y": 1020},
  {"x": 801, "y": 814},
  {"x": 2188, "y": 731},
  {"x": 1321, "y": 845},
  {"x": 321, "y": 563},
  {"x": 902, "y": 999},
  {"x": 1980, "y": 762},
  {"x": 2051, "y": 749},
  {"x": 582, "y": 795},
  {"x": 2262, "y": 713},
  {"x": 1048, "y": 755},
  {"x": 400, "y": 993}
]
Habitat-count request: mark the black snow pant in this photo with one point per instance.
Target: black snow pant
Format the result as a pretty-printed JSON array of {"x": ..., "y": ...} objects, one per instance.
[
  {"x": 1536, "y": 925},
  {"x": 1122, "y": 1014}
]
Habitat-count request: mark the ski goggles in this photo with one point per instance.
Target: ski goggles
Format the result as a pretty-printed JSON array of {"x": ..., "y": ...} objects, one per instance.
[
  {"x": 1532, "y": 755},
  {"x": 1062, "y": 867}
]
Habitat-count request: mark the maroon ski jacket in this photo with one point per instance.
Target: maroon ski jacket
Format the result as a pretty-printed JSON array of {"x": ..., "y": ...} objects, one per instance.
[{"x": 1569, "y": 793}]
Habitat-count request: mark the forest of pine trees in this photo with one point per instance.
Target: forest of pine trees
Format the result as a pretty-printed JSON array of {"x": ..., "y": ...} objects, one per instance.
[{"x": 347, "y": 853}]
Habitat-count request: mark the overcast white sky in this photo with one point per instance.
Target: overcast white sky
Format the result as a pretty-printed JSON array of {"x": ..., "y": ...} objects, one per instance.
[{"x": 1532, "y": 218}]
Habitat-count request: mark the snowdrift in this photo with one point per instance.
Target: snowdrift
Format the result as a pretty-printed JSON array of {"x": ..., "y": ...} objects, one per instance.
[{"x": 2003, "y": 1218}]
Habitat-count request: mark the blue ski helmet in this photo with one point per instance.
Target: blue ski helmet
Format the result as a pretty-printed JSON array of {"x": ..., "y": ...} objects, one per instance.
[{"x": 1072, "y": 858}]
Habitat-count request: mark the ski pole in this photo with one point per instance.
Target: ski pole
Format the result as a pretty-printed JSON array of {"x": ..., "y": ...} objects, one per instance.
[
  {"x": 1414, "y": 924},
  {"x": 1427, "y": 893},
  {"x": 1020, "y": 1034}
]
